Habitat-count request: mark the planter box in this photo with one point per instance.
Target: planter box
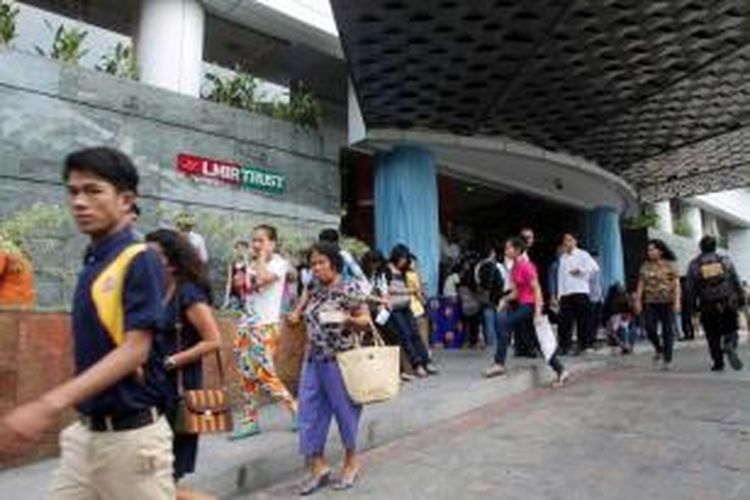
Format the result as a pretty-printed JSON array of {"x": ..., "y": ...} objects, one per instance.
[{"x": 36, "y": 355}]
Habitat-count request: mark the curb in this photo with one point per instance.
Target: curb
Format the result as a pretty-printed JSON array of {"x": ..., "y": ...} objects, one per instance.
[{"x": 265, "y": 464}]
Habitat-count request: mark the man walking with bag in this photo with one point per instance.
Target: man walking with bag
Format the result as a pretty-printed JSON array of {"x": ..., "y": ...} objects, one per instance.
[
  {"x": 120, "y": 447},
  {"x": 713, "y": 284}
]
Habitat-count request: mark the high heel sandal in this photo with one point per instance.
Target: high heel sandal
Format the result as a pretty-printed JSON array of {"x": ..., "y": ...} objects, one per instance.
[
  {"x": 346, "y": 483},
  {"x": 315, "y": 483}
]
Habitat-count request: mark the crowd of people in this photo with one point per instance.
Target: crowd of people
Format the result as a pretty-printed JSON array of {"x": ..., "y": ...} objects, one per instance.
[
  {"x": 143, "y": 321},
  {"x": 661, "y": 308}
]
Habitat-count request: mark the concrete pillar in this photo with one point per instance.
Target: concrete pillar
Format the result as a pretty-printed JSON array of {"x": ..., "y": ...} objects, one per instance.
[
  {"x": 710, "y": 224},
  {"x": 739, "y": 250},
  {"x": 693, "y": 220},
  {"x": 169, "y": 44},
  {"x": 406, "y": 207},
  {"x": 663, "y": 210},
  {"x": 603, "y": 235},
  {"x": 357, "y": 131}
]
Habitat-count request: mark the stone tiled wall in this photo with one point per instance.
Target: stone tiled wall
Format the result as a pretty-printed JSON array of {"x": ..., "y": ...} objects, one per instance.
[{"x": 49, "y": 109}]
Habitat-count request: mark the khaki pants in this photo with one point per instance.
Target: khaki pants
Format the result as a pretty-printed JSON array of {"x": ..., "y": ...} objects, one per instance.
[{"x": 122, "y": 465}]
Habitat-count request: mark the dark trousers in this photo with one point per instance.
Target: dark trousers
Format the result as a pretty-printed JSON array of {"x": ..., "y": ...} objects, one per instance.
[
  {"x": 471, "y": 323},
  {"x": 595, "y": 320},
  {"x": 688, "y": 332},
  {"x": 575, "y": 308},
  {"x": 510, "y": 321},
  {"x": 524, "y": 338},
  {"x": 403, "y": 322},
  {"x": 721, "y": 322},
  {"x": 660, "y": 314}
]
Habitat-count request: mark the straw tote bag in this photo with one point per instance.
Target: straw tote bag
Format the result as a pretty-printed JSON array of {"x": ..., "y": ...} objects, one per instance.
[{"x": 370, "y": 373}]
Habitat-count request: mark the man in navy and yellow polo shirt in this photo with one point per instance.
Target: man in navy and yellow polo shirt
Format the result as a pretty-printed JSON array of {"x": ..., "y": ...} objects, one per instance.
[{"x": 121, "y": 445}]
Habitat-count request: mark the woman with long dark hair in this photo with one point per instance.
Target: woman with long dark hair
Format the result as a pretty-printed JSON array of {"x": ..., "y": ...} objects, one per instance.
[
  {"x": 190, "y": 330},
  {"x": 402, "y": 320},
  {"x": 658, "y": 298}
]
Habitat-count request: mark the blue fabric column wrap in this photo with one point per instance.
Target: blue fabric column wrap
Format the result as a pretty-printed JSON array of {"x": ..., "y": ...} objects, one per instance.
[
  {"x": 603, "y": 235},
  {"x": 406, "y": 207}
]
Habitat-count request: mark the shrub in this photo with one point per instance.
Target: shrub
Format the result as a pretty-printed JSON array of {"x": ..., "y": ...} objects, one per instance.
[
  {"x": 120, "y": 62},
  {"x": 8, "y": 14},
  {"x": 67, "y": 45}
]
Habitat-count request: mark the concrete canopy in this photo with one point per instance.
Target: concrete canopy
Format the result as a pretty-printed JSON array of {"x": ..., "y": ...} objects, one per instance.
[{"x": 655, "y": 91}]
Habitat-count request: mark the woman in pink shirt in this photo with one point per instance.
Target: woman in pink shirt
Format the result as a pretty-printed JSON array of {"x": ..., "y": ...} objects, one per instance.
[{"x": 527, "y": 293}]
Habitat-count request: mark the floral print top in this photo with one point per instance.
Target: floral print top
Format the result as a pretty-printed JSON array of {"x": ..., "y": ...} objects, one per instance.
[
  {"x": 325, "y": 340},
  {"x": 659, "y": 282}
]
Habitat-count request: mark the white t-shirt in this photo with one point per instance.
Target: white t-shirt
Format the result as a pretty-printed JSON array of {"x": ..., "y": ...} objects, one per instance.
[
  {"x": 450, "y": 288},
  {"x": 199, "y": 244},
  {"x": 265, "y": 305},
  {"x": 567, "y": 283}
]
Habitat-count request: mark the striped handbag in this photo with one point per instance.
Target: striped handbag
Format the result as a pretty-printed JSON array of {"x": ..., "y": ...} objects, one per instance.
[{"x": 202, "y": 411}]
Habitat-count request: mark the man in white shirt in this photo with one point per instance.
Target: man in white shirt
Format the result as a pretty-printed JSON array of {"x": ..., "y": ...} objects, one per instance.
[
  {"x": 573, "y": 289},
  {"x": 258, "y": 331}
]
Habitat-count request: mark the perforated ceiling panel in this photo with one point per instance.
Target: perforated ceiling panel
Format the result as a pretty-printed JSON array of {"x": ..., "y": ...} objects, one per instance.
[{"x": 657, "y": 91}]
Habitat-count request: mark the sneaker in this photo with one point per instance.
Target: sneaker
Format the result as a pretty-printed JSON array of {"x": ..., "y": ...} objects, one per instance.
[
  {"x": 420, "y": 372},
  {"x": 407, "y": 377},
  {"x": 245, "y": 431},
  {"x": 494, "y": 371},
  {"x": 734, "y": 360},
  {"x": 431, "y": 369},
  {"x": 666, "y": 367},
  {"x": 717, "y": 368},
  {"x": 562, "y": 378}
]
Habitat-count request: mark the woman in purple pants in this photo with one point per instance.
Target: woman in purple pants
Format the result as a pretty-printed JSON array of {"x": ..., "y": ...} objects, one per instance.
[{"x": 333, "y": 312}]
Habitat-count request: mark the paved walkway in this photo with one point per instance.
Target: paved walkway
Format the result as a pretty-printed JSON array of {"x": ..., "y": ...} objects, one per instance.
[
  {"x": 231, "y": 469},
  {"x": 628, "y": 432}
]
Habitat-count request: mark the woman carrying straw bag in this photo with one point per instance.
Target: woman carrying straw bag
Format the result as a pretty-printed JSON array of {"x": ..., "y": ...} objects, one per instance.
[{"x": 334, "y": 313}]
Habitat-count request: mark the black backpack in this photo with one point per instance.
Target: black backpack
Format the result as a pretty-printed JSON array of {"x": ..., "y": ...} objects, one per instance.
[
  {"x": 491, "y": 283},
  {"x": 714, "y": 279}
]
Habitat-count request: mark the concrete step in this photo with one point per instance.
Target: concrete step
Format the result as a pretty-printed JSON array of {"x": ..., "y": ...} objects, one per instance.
[{"x": 229, "y": 469}]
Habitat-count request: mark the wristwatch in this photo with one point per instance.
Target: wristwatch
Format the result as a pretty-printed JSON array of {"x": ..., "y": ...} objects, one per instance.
[{"x": 169, "y": 364}]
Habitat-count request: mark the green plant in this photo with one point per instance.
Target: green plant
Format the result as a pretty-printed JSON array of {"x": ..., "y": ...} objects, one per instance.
[
  {"x": 119, "y": 62},
  {"x": 240, "y": 90},
  {"x": 237, "y": 90},
  {"x": 645, "y": 220},
  {"x": 67, "y": 45},
  {"x": 18, "y": 230},
  {"x": 682, "y": 228},
  {"x": 304, "y": 108},
  {"x": 8, "y": 14},
  {"x": 356, "y": 247}
]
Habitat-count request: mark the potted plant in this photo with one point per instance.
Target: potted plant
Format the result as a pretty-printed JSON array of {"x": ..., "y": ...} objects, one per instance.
[
  {"x": 8, "y": 14},
  {"x": 120, "y": 62},
  {"x": 67, "y": 44}
]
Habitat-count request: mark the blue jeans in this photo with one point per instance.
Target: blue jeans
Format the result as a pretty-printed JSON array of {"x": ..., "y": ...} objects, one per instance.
[
  {"x": 506, "y": 323},
  {"x": 656, "y": 314},
  {"x": 627, "y": 334},
  {"x": 405, "y": 325},
  {"x": 489, "y": 324}
]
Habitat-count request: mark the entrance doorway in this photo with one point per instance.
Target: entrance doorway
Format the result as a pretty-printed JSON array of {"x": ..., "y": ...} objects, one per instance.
[{"x": 479, "y": 215}]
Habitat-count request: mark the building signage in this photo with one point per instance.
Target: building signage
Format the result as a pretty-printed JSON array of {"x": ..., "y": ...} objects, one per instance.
[{"x": 230, "y": 173}]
